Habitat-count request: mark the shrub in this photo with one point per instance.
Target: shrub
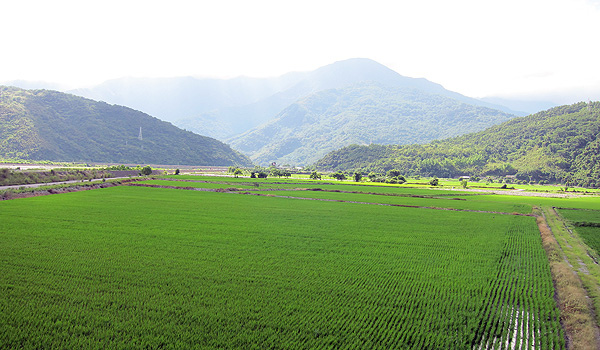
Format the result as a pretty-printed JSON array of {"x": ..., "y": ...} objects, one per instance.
[
  {"x": 147, "y": 170},
  {"x": 339, "y": 176},
  {"x": 401, "y": 179},
  {"x": 394, "y": 173}
]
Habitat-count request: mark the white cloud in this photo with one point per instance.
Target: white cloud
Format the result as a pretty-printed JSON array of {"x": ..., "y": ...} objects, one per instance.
[{"x": 476, "y": 47}]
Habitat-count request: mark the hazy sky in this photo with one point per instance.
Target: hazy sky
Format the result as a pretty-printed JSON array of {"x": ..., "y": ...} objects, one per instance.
[{"x": 475, "y": 47}]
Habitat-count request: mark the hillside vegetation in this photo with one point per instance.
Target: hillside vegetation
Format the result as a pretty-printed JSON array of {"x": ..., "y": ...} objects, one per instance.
[
  {"x": 50, "y": 125},
  {"x": 361, "y": 114},
  {"x": 561, "y": 144}
]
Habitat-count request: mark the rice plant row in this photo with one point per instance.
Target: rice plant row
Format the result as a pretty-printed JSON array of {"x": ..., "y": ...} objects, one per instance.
[{"x": 133, "y": 267}]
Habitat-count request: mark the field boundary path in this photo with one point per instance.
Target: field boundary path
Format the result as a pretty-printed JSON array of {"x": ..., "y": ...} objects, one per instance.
[
  {"x": 16, "y": 187},
  {"x": 574, "y": 291}
]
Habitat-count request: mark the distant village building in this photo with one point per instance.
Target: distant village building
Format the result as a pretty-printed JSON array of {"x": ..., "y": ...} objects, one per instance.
[{"x": 464, "y": 178}]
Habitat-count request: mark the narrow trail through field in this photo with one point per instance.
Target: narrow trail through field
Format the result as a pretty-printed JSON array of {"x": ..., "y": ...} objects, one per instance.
[
  {"x": 572, "y": 290},
  {"x": 249, "y": 192}
]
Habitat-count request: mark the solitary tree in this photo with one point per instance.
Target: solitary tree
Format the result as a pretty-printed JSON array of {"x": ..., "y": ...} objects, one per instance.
[
  {"x": 147, "y": 170},
  {"x": 357, "y": 176},
  {"x": 237, "y": 172},
  {"x": 338, "y": 176},
  {"x": 434, "y": 182},
  {"x": 276, "y": 172},
  {"x": 394, "y": 173},
  {"x": 315, "y": 176}
]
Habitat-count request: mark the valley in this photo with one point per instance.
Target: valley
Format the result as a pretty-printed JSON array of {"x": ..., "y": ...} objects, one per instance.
[
  {"x": 221, "y": 267},
  {"x": 346, "y": 207}
]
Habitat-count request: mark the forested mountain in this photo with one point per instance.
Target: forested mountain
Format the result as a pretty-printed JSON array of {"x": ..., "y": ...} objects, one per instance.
[
  {"x": 363, "y": 113},
  {"x": 561, "y": 144},
  {"x": 224, "y": 108},
  {"x": 50, "y": 125}
]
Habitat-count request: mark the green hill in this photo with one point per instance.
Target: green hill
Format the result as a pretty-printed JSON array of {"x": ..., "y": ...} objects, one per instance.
[
  {"x": 50, "y": 125},
  {"x": 361, "y": 114},
  {"x": 561, "y": 144}
]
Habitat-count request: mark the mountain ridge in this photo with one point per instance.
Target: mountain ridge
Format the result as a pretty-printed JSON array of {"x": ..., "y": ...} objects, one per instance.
[
  {"x": 224, "y": 108},
  {"x": 51, "y": 125},
  {"x": 561, "y": 144},
  {"x": 362, "y": 113}
]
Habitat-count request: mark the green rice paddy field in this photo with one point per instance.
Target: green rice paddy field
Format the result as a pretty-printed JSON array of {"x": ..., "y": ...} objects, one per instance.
[
  {"x": 587, "y": 225},
  {"x": 136, "y": 267}
]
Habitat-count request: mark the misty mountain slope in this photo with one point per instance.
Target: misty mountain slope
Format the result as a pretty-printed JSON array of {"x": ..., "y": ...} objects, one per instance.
[
  {"x": 224, "y": 108},
  {"x": 361, "y": 114},
  {"x": 50, "y": 125},
  {"x": 340, "y": 74},
  {"x": 172, "y": 99},
  {"x": 561, "y": 144}
]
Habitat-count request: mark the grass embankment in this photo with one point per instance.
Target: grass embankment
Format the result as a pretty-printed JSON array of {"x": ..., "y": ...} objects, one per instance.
[
  {"x": 43, "y": 190},
  {"x": 583, "y": 228},
  {"x": 11, "y": 177},
  {"x": 576, "y": 276}
]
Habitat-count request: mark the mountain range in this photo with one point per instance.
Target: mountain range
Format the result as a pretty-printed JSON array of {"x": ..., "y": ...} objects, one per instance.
[
  {"x": 224, "y": 108},
  {"x": 51, "y": 125},
  {"x": 363, "y": 113},
  {"x": 300, "y": 116},
  {"x": 561, "y": 144},
  {"x": 252, "y": 113}
]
